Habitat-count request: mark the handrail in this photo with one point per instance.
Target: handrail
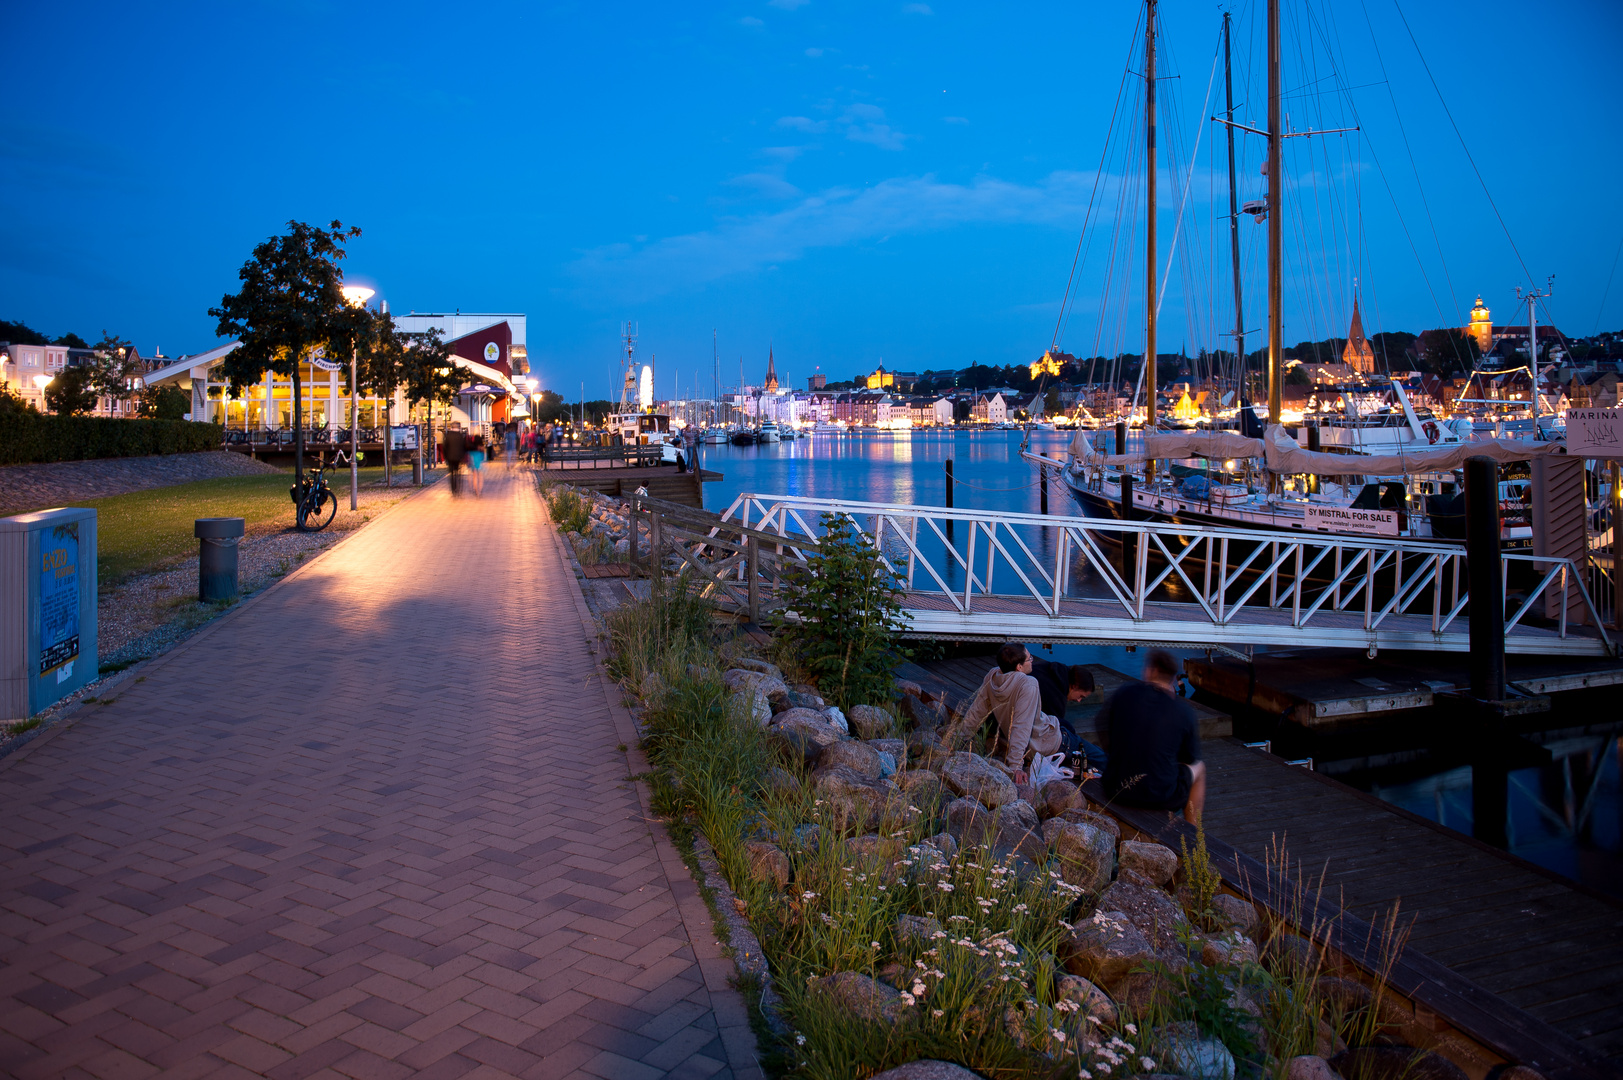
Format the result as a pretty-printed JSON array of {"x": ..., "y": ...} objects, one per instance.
[{"x": 1249, "y": 585}]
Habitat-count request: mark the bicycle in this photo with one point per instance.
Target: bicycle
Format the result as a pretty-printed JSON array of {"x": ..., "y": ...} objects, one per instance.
[{"x": 318, "y": 504}]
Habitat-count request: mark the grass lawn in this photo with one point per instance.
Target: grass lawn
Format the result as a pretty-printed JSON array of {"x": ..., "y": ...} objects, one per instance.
[{"x": 141, "y": 530}]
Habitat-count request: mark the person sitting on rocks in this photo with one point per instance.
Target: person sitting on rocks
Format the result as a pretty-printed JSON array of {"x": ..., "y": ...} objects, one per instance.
[
  {"x": 1011, "y": 695},
  {"x": 1062, "y": 686},
  {"x": 1154, "y": 743}
]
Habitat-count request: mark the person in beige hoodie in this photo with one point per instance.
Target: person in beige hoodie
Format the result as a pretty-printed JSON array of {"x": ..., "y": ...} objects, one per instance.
[{"x": 1010, "y": 693}]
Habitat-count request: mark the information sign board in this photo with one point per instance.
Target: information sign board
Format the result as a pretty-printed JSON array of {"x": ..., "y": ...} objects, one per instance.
[
  {"x": 1348, "y": 520},
  {"x": 1595, "y": 433},
  {"x": 59, "y": 600},
  {"x": 403, "y": 437}
]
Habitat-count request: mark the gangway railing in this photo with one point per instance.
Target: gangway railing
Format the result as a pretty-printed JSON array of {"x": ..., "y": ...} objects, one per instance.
[{"x": 979, "y": 574}]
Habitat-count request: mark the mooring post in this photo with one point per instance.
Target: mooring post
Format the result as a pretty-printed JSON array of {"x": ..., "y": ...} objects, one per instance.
[
  {"x": 1042, "y": 486},
  {"x": 1129, "y": 541},
  {"x": 752, "y": 564},
  {"x": 1121, "y": 436},
  {"x": 949, "y": 483},
  {"x": 1487, "y": 587},
  {"x": 656, "y": 566},
  {"x": 1617, "y": 545}
]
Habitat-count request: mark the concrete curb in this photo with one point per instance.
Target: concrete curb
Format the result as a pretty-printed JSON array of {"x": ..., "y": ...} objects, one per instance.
[{"x": 728, "y": 1005}]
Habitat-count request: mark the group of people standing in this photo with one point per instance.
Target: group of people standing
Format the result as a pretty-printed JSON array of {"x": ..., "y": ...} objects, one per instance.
[{"x": 1154, "y": 759}]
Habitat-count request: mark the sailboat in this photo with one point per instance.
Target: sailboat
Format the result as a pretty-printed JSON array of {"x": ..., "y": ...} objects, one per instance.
[{"x": 1260, "y": 476}]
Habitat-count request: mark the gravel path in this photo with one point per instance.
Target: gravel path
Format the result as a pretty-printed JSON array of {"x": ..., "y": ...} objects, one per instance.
[{"x": 58, "y": 483}]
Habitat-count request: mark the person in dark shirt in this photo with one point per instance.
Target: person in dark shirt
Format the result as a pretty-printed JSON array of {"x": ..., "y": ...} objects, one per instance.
[
  {"x": 1063, "y": 685},
  {"x": 1154, "y": 744}
]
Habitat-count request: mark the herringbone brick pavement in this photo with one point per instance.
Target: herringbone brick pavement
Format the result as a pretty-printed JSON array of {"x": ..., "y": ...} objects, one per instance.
[{"x": 375, "y": 824}]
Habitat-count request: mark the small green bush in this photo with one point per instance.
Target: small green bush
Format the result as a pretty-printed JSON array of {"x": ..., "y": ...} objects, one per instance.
[
  {"x": 27, "y": 436},
  {"x": 849, "y": 611},
  {"x": 570, "y": 511}
]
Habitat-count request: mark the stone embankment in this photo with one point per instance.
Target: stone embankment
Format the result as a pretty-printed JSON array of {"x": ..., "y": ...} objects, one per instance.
[
  {"x": 59, "y": 483},
  {"x": 1141, "y": 928}
]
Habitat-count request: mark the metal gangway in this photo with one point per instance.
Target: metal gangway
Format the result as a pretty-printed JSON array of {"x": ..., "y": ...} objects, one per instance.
[{"x": 992, "y": 576}]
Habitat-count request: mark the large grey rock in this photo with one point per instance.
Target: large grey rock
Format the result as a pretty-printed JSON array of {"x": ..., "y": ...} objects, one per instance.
[
  {"x": 1097, "y": 820},
  {"x": 864, "y": 998},
  {"x": 928, "y": 1070},
  {"x": 799, "y": 700},
  {"x": 1086, "y": 854},
  {"x": 853, "y": 802},
  {"x": 870, "y": 722},
  {"x": 1058, "y": 796},
  {"x": 857, "y": 756},
  {"x": 813, "y": 723},
  {"x": 1157, "y": 862},
  {"x": 973, "y": 777},
  {"x": 1230, "y": 950},
  {"x": 834, "y": 716},
  {"x": 1105, "y": 947},
  {"x": 768, "y": 864},
  {"x": 1156, "y": 914},
  {"x": 1089, "y": 999},
  {"x": 916, "y": 931},
  {"x": 921, "y": 787},
  {"x": 1394, "y": 1063},
  {"x": 736, "y": 679},
  {"x": 1235, "y": 913},
  {"x": 1309, "y": 1067},
  {"x": 807, "y": 838},
  {"x": 896, "y": 748},
  {"x": 921, "y": 714},
  {"x": 1186, "y": 1052},
  {"x": 1017, "y": 831},
  {"x": 874, "y": 849},
  {"x": 753, "y": 704},
  {"x": 943, "y": 842},
  {"x": 750, "y": 663},
  {"x": 969, "y": 822}
]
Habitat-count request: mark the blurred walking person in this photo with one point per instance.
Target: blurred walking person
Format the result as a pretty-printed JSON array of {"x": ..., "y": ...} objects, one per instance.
[{"x": 455, "y": 452}]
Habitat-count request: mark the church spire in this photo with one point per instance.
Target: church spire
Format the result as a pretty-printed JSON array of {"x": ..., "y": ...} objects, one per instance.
[
  {"x": 771, "y": 384},
  {"x": 1358, "y": 354}
]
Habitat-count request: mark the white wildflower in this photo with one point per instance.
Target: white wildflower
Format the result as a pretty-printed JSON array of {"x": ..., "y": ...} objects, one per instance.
[
  {"x": 1147, "y": 1063},
  {"x": 800, "y": 1040},
  {"x": 938, "y": 1013}
]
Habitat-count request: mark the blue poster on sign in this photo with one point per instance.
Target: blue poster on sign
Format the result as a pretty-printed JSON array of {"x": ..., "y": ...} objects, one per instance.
[{"x": 58, "y": 598}]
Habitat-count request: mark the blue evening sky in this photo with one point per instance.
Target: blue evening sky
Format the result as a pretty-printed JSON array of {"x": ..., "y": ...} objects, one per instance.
[{"x": 848, "y": 182}]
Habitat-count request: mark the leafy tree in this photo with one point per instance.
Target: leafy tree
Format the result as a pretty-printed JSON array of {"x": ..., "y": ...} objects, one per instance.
[
  {"x": 72, "y": 341},
  {"x": 291, "y": 303},
  {"x": 70, "y": 393},
  {"x": 1051, "y": 403},
  {"x": 163, "y": 403},
  {"x": 430, "y": 374},
  {"x": 116, "y": 368},
  {"x": 1444, "y": 351},
  {"x": 962, "y": 409},
  {"x": 850, "y": 612},
  {"x": 380, "y": 359},
  {"x": 20, "y": 334}
]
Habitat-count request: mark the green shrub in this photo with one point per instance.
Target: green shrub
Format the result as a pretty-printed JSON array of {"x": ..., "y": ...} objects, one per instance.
[
  {"x": 28, "y": 436},
  {"x": 570, "y": 511},
  {"x": 849, "y": 608}
]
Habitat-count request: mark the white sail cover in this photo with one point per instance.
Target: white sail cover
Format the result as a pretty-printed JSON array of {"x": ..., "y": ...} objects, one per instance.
[{"x": 1285, "y": 455}]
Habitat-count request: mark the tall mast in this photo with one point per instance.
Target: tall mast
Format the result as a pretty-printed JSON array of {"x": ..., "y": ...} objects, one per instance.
[
  {"x": 1276, "y": 184},
  {"x": 1149, "y": 228},
  {"x": 1234, "y": 210},
  {"x": 715, "y": 356}
]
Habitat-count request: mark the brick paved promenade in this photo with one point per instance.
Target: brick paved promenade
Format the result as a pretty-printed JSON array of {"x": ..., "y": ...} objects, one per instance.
[{"x": 374, "y": 823}]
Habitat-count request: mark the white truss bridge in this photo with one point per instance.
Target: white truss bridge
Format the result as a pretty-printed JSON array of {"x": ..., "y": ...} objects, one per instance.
[{"x": 987, "y": 575}]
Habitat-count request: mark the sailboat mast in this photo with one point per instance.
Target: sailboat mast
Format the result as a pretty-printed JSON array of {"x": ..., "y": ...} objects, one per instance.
[
  {"x": 1234, "y": 210},
  {"x": 1151, "y": 286},
  {"x": 1276, "y": 184}
]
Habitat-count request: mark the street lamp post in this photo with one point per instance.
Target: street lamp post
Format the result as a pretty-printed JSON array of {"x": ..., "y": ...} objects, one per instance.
[{"x": 357, "y": 295}]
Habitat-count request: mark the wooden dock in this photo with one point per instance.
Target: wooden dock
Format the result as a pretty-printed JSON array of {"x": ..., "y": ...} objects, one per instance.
[
  {"x": 1324, "y": 688},
  {"x": 661, "y": 481},
  {"x": 1504, "y": 950}
]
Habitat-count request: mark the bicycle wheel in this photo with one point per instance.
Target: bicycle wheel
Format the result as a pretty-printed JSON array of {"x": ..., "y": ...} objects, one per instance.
[{"x": 319, "y": 510}]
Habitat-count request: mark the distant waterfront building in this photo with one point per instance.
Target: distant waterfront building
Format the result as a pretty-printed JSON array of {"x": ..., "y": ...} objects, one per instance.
[
  {"x": 1358, "y": 353},
  {"x": 1488, "y": 337},
  {"x": 771, "y": 384},
  {"x": 991, "y": 408},
  {"x": 888, "y": 380},
  {"x": 1048, "y": 364},
  {"x": 817, "y": 382}
]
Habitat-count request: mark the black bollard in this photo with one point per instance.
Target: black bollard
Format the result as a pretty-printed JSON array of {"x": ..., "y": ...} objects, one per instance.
[
  {"x": 1042, "y": 487},
  {"x": 1121, "y": 436},
  {"x": 1490, "y": 800},
  {"x": 1487, "y": 615},
  {"x": 949, "y": 483},
  {"x": 1129, "y": 541},
  {"x": 217, "y": 540}
]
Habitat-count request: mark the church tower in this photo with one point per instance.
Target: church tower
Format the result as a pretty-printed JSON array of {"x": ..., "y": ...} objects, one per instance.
[
  {"x": 1359, "y": 354},
  {"x": 1481, "y": 327},
  {"x": 771, "y": 384}
]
